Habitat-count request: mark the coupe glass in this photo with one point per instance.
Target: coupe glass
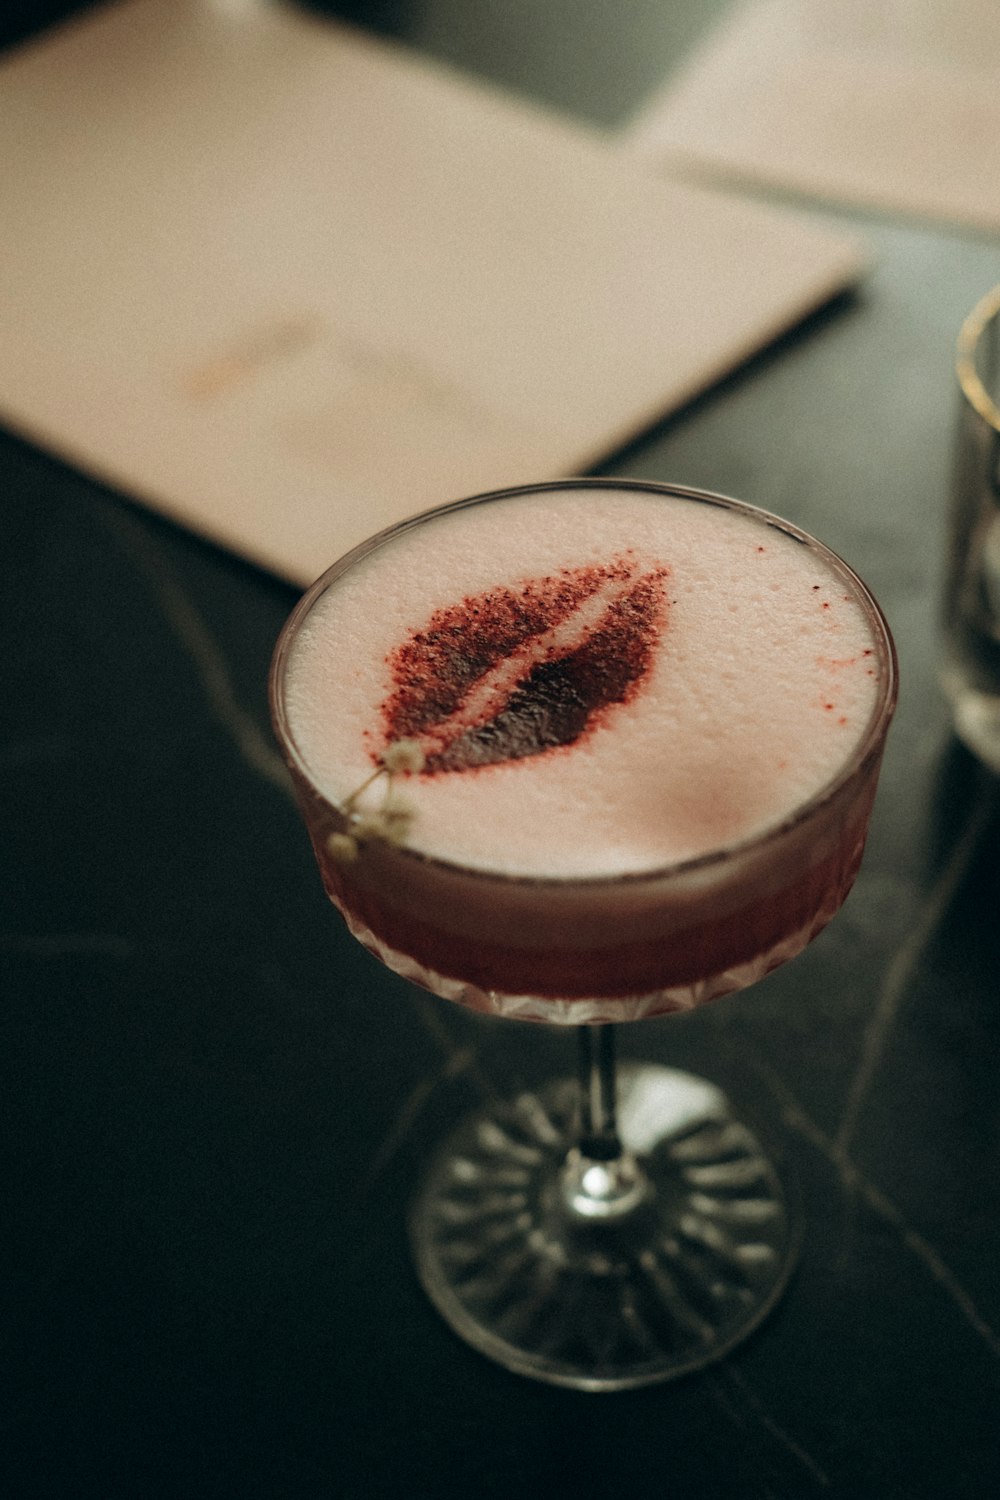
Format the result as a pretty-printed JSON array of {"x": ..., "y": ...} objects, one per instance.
[{"x": 619, "y": 1227}]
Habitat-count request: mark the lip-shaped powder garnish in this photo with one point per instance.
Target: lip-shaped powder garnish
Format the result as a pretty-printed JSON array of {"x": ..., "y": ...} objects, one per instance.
[{"x": 515, "y": 672}]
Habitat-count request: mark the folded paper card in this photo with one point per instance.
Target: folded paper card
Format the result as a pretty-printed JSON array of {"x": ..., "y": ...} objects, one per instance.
[
  {"x": 288, "y": 283},
  {"x": 893, "y": 105}
]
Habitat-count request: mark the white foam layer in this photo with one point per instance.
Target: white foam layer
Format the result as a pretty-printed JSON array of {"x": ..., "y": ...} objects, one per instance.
[{"x": 761, "y": 687}]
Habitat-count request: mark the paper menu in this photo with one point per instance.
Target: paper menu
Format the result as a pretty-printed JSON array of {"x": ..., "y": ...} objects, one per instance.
[
  {"x": 287, "y": 283},
  {"x": 894, "y": 106}
]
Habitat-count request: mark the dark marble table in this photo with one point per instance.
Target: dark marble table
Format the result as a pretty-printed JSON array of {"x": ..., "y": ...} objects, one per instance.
[{"x": 215, "y": 1103}]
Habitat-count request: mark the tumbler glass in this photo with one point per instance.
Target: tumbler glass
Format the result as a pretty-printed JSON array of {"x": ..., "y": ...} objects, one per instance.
[{"x": 970, "y": 669}]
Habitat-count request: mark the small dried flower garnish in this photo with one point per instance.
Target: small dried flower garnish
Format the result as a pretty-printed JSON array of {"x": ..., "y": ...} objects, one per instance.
[
  {"x": 391, "y": 821},
  {"x": 403, "y": 755}
]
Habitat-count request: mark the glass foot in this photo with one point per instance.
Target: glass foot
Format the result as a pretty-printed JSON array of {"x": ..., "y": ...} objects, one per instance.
[{"x": 604, "y": 1275}]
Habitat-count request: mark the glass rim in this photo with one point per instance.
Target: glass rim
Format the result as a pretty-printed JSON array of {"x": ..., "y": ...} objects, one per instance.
[
  {"x": 966, "y": 349},
  {"x": 868, "y": 746}
]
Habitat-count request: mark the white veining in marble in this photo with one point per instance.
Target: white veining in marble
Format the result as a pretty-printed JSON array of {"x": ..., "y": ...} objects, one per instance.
[
  {"x": 902, "y": 970},
  {"x": 193, "y": 634},
  {"x": 455, "y": 1064},
  {"x": 854, "y": 1181},
  {"x": 730, "y": 1374}
]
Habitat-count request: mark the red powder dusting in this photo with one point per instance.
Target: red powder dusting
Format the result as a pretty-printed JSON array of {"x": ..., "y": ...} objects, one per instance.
[{"x": 561, "y": 697}]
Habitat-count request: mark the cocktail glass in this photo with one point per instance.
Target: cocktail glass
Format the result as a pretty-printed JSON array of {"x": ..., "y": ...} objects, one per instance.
[{"x": 621, "y": 1227}]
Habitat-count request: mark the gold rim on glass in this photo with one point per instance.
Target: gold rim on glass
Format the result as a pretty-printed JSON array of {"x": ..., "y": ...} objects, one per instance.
[{"x": 969, "y": 378}]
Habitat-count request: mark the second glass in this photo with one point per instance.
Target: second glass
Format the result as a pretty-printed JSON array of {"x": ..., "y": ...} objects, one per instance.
[{"x": 971, "y": 666}]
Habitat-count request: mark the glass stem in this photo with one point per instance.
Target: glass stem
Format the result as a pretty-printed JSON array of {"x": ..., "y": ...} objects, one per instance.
[
  {"x": 602, "y": 1183},
  {"x": 598, "y": 1123}
]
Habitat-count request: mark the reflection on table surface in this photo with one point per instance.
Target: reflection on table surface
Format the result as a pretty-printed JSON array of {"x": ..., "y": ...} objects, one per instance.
[{"x": 217, "y": 1102}]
